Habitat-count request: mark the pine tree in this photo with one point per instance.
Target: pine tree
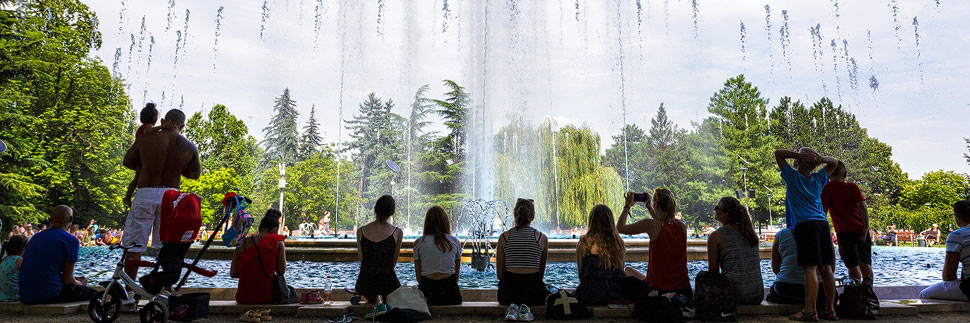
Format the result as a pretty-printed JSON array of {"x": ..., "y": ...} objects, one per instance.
[
  {"x": 282, "y": 139},
  {"x": 311, "y": 140}
]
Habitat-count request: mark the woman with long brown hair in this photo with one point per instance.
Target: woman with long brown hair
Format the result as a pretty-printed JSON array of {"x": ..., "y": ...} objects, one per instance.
[
  {"x": 667, "y": 260},
  {"x": 599, "y": 258},
  {"x": 437, "y": 260},
  {"x": 733, "y": 250},
  {"x": 520, "y": 264}
]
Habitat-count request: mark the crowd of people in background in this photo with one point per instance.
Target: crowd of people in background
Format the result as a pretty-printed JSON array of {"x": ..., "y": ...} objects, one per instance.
[{"x": 91, "y": 236}]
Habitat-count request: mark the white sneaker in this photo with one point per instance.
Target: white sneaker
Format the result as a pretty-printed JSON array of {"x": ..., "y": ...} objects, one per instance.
[
  {"x": 512, "y": 314},
  {"x": 130, "y": 300},
  {"x": 525, "y": 314}
]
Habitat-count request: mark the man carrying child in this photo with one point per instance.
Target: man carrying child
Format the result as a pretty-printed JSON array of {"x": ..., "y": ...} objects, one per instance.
[{"x": 160, "y": 159}]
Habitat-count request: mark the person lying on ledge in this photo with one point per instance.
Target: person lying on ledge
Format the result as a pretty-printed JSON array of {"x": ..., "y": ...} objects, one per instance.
[
  {"x": 667, "y": 259},
  {"x": 437, "y": 260},
  {"x": 255, "y": 262},
  {"x": 957, "y": 252},
  {"x": 47, "y": 272}
]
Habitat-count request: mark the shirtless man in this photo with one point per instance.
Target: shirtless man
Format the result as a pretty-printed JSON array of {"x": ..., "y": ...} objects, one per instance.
[{"x": 162, "y": 158}]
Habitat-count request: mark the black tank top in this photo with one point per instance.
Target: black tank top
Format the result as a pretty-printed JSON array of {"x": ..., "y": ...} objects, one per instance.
[{"x": 378, "y": 254}]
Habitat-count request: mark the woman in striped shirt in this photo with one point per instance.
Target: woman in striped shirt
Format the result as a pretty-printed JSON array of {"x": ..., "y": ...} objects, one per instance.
[{"x": 520, "y": 260}]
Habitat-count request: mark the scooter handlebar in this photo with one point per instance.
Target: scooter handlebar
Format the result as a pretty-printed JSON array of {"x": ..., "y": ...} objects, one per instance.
[{"x": 201, "y": 271}]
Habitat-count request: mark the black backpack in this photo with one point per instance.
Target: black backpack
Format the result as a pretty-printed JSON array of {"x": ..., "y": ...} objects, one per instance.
[
  {"x": 858, "y": 301},
  {"x": 564, "y": 306},
  {"x": 713, "y": 301}
]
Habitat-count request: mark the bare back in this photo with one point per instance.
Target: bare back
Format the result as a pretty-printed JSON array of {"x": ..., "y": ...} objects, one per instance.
[{"x": 162, "y": 157}]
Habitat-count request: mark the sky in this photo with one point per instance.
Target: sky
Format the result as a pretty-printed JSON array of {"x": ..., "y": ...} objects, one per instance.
[{"x": 594, "y": 63}]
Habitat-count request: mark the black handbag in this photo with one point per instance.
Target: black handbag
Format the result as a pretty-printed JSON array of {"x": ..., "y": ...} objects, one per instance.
[
  {"x": 282, "y": 293},
  {"x": 858, "y": 301}
]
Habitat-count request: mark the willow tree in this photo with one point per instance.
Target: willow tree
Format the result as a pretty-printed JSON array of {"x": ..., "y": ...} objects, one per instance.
[{"x": 583, "y": 182}]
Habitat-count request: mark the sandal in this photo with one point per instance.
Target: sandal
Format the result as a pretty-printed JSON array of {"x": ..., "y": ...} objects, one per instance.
[
  {"x": 251, "y": 316},
  {"x": 803, "y": 316},
  {"x": 828, "y": 316},
  {"x": 264, "y": 315}
]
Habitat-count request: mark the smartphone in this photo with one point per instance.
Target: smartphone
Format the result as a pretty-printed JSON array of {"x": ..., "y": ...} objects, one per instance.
[{"x": 640, "y": 197}]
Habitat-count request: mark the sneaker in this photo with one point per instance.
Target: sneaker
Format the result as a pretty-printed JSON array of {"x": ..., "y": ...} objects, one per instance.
[
  {"x": 512, "y": 314},
  {"x": 687, "y": 312},
  {"x": 378, "y": 310},
  {"x": 525, "y": 314},
  {"x": 311, "y": 297}
]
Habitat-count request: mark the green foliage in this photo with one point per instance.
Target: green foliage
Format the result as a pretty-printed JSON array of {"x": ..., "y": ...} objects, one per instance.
[
  {"x": 212, "y": 187},
  {"x": 938, "y": 190},
  {"x": 311, "y": 191},
  {"x": 311, "y": 141},
  {"x": 376, "y": 137},
  {"x": 224, "y": 142},
  {"x": 66, "y": 118},
  {"x": 967, "y": 155},
  {"x": 281, "y": 136}
]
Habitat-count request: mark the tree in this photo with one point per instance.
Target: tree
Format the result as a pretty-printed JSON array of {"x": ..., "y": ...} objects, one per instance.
[
  {"x": 445, "y": 159},
  {"x": 417, "y": 140},
  {"x": 743, "y": 128},
  {"x": 281, "y": 136},
  {"x": 937, "y": 189},
  {"x": 69, "y": 118},
  {"x": 212, "y": 187},
  {"x": 311, "y": 140},
  {"x": 224, "y": 142},
  {"x": 375, "y": 138}
]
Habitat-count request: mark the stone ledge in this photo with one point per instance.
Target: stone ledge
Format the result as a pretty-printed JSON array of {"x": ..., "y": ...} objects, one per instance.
[
  {"x": 230, "y": 307},
  {"x": 338, "y": 308},
  {"x": 933, "y": 305},
  {"x": 768, "y": 308},
  {"x": 892, "y": 308},
  {"x": 54, "y": 309},
  {"x": 17, "y": 307}
]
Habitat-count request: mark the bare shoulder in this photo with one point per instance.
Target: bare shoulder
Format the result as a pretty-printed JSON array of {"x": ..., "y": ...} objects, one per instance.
[{"x": 186, "y": 145}]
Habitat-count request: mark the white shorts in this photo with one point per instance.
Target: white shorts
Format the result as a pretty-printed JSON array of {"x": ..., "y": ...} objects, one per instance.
[
  {"x": 945, "y": 290},
  {"x": 143, "y": 218}
]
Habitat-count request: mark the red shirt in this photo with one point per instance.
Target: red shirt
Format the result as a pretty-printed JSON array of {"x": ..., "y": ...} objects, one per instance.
[
  {"x": 840, "y": 199},
  {"x": 255, "y": 284},
  {"x": 142, "y": 129},
  {"x": 667, "y": 258}
]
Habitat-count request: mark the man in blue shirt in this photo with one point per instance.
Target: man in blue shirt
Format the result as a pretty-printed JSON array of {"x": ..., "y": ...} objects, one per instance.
[
  {"x": 803, "y": 209},
  {"x": 47, "y": 273}
]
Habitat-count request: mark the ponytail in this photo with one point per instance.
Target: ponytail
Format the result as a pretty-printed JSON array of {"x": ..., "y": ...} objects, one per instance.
[
  {"x": 524, "y": 212},
  {"x": 738, "y": 216}
]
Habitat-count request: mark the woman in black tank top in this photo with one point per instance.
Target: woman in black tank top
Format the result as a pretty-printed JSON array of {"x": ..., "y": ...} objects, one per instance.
[
  {"x": 523, "y": 250},
  {"x": 378, "y": 258}
]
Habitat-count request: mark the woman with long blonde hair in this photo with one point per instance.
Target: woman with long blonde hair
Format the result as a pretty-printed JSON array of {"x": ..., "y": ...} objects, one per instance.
[
  {"x": 667, "y": 260},
  {"x": 599, "y": 257}
]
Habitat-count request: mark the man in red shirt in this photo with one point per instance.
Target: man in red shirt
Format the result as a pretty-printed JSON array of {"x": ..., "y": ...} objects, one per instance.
[{"x": 850, "y": 216}]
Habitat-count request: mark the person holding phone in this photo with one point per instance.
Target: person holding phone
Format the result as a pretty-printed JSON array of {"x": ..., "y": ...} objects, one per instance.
[{"x": 667, "y": 260}]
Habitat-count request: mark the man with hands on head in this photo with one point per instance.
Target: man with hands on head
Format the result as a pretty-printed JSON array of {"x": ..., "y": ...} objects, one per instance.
[{"x": 803, "y": 209}]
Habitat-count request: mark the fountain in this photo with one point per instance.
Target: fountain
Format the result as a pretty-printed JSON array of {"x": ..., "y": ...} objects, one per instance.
[{"x": 479, "y": 218}]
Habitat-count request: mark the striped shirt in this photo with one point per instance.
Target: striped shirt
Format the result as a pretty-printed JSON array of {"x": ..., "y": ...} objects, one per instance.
[
  {"x": 959, "y": 241},
  {"x": 522, "y": 249}
]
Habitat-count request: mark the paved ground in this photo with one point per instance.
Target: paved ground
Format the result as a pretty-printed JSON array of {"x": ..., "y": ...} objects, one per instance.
[{"x": 9, "y": 318}]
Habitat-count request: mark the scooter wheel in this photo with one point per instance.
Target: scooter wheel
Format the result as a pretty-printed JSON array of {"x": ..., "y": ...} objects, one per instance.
[
  {"x": 153, "y": 312},
  {"x": 105, "y": 312}
]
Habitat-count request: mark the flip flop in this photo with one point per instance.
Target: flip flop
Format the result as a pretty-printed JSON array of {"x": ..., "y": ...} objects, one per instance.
[{"x": 803, "y": 316}]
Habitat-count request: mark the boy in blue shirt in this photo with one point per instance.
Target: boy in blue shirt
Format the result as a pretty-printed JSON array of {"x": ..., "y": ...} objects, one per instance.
[{"x": 803, "y": 209}]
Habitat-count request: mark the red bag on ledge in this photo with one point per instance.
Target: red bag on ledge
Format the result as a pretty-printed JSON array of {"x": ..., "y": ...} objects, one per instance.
[{"x": 181, "y": 217}]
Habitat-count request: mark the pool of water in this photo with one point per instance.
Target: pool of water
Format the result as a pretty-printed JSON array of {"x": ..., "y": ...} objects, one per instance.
[{"x": 893, "y": 266}]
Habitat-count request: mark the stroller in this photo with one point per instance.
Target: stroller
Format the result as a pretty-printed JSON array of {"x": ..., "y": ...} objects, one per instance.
[{"x": 182, "y": 228}]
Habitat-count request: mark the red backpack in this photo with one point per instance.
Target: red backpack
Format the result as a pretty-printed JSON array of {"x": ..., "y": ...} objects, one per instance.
[{"x": 181, "y": 217}]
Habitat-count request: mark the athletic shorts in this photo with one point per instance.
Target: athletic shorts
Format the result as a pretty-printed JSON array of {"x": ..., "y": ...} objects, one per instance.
[
  {"x": 143, "y": 219},
  {"x": 852, "y": 251},
  {"x": 814, "y": 243}
]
